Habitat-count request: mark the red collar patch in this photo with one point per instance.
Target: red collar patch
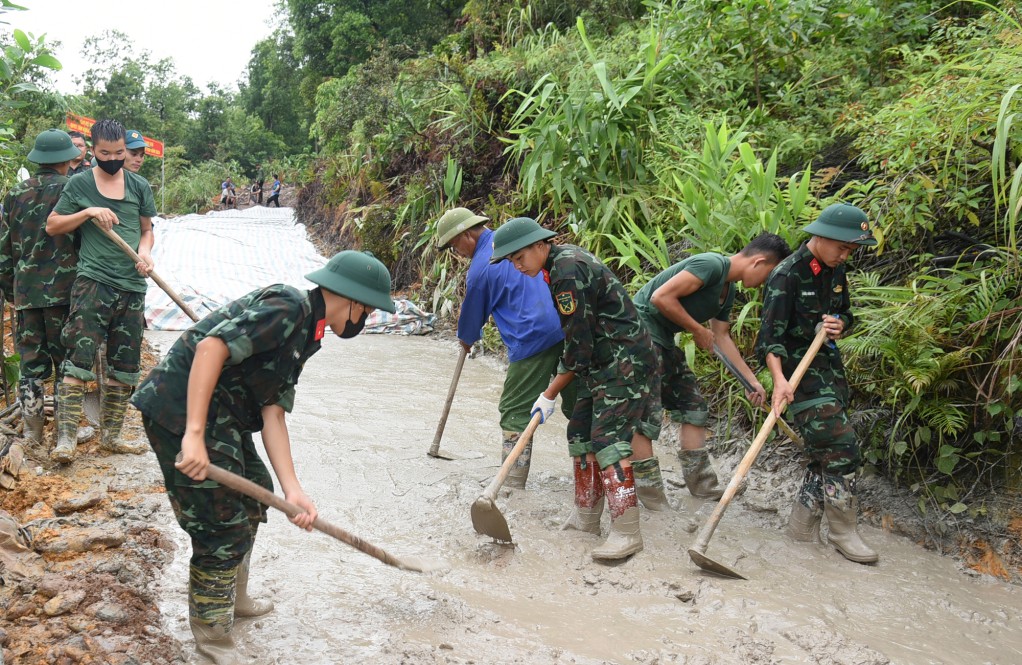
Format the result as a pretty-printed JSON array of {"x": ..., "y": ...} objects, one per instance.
[
  {"x": 320, "y": 329},
  {"x": 815, "y": 266},
  {"x": 546, "y": 275}
]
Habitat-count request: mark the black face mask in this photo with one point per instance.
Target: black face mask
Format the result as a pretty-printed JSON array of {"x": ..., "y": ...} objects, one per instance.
[
  {"x": 352, "y": 328},
  {"x": 110, "y": 166}
]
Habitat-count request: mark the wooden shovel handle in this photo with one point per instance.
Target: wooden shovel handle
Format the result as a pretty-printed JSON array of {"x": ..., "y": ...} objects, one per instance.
[
  {"x": 119, "y": 241},
  {"x": 788, "y": 431},
  {"x": 505, "y": 468},
  {"x": 435, "y": 448},
  {"x": 264, "y": 496},
  {"x": 750, "y": 456}
]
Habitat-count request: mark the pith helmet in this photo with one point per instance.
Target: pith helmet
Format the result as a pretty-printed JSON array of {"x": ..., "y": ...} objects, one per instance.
[
  {"x": 455, "y": 221},
  {"x": 133, "y": 139},
  {"x": 358, "y": 276},
  {"x": 516, "y": 234},
  {"x": 53, "y": 147},
  {"x": 844, "y": 223}
]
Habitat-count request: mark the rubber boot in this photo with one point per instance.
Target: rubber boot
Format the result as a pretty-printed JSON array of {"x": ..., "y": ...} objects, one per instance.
[
  {"x": 244, "y": 604},
  {"x": 69, "y": 397},
  {"x": 588, "y": 510},
  {"x": 807, "y": 510},
  {"x": 649, "y": 484},
  {"x": 30, "y": 394},
  {"x": 699, "y": 475},
  {"x": 111, "y": 420},
  {"x": 519, "y": 473},
  {"x": 625, "y": 538},
  {"x": 211, "y": 613},
  {"x": 842, "y": 510}
]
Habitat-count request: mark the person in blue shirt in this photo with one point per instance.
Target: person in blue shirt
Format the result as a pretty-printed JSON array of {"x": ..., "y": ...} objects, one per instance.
[{"x": 526, "y": 319}]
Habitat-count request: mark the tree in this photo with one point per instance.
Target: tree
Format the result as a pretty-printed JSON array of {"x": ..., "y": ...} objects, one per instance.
[{"x": 273, "y": 91}]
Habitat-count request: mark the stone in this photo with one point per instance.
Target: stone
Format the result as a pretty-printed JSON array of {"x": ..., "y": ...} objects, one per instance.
[{"x": 64, "y": 602}]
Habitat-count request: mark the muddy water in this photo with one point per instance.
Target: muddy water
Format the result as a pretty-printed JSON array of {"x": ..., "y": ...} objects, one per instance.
[{"x": 365, "y": 416}]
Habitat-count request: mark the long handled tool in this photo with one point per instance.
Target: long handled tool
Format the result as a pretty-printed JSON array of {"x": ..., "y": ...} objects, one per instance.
[
  {"x": 698, "y": 551},
  {"x": 434, "y": 450},
  {"x": 119, "y": 241},
  {"x": 486, "y": 517},
  {"x": 264, "y": 496},
  {"x": 783, "y": 426}
]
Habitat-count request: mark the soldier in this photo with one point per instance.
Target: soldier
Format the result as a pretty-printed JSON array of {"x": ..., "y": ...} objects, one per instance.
[
  {"x": 807, "y": 290},
  {"x": 37, "y": 271},
  {"x": 606, "y": 346},
  {"x": 525, "y": 318},
  {"x": 134, "y": 143},
  {"x": 79, "y": 163},
  {"x": 684, "y": 297},
  {"x": 108, "y": 295},
  {"x": 232, "y": 374}
]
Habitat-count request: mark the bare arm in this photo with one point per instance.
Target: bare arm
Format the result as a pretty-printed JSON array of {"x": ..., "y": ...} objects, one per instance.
[
  {"x": 278, "y": 449},
  {"x": 57, "y": 224},
  {"x": 722, "y": 338},
  {"x": 210, "y": 355},
  {"x": 557, "y": 384},
  {"x": 667, "y": 299},
  {"x": 783, "y": 394}
]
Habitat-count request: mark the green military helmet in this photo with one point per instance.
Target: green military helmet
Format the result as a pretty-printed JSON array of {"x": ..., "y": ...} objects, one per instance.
[
  {"x": 516, "y": 234},
  {"x": 357, "y": 276},
  {"x": 844, "y": 223},
  {"x": 453, "y": 222},
  {"x": 53, "y": 147},
  {"x": 133, "y": 139}
]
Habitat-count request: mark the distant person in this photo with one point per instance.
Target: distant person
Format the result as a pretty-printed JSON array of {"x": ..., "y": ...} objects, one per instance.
[
  {"x": 229, "y": 194},
  {"x": 256, "y": 190},
  {"x": 81, "y": 163},
  {"x": 230, "y": 375},
  {"x": 37, "y": 272},
  {"x": 135, "y": 145},
  {"x": 274, "y": 192},
  {"x": 108, "y": 296},
  {"x": 260, "y": 179}
]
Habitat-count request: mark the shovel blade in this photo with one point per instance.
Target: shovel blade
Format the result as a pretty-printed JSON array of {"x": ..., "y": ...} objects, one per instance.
[
  {"x": 489, "y": 521},
  {"x": 711, "y": 566},
  {"x": 439, "y": 454}
]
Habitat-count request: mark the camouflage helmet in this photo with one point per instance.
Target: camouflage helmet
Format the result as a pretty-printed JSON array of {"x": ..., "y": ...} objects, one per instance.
[
  {"x": 53, "y": 147},
  {"x": 357, "y": 276},
  {"x": 844, "y": 223},
  {"x": 453, "y": 222},
  {"x": 516, "y": 234}
]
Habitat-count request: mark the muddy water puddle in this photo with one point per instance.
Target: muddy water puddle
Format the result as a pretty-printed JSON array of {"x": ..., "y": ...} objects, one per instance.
[{"x": 365, "y": 416}]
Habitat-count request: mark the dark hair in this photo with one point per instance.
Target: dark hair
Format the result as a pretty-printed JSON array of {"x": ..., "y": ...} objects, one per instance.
[
  {"x": 276, "y": 177},
  {"x": 75, "y": 134},
  {"x": 107, "y": 130},
  {"x": 770, "y": 245}
]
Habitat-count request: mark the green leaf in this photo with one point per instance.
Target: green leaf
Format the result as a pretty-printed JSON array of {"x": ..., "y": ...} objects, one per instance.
[
  {"x": 958, "y": 508},
  {"x": 22, "y": 39},
  {"x": 48, "y": 61}
]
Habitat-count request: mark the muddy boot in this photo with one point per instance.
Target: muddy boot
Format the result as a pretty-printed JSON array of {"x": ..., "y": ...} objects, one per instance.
[
  {"x": 69, "y": 398},
  {"x": 519, "y": 473},
  {"x": 807, "y": 510},
  {"x": 30, "y": 394},
  {"x": 624, "y": 539},
  {"x": 111, "y": 420},
  {"x": 842, "y": 509},
  {"x": 211, "y": 613},
  {"x": 699, "y": 475},
  {"x": 244, "y": 604},
  {"x": 585, "y": 516},
  {"x": 649, "y": 484}
]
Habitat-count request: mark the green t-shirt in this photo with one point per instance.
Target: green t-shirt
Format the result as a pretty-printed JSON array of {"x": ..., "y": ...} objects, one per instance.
[
  {"x": 99, "y": 258},
  {"x": 702, "y": 305}
]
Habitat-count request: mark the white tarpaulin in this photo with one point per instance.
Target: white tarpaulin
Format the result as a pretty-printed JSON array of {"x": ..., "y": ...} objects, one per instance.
[{"x": 212, "y": 259}]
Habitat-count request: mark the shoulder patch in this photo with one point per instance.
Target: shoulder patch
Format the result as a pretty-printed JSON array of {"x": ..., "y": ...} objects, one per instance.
[{"x": 565, "y": 302}]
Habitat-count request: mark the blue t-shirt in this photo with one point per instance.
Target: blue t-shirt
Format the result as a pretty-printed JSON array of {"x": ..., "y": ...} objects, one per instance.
[{"x": 521, "y": 305}]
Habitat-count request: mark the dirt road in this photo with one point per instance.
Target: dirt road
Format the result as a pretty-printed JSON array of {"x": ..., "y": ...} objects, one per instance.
[{"x": 364, "y": 418}]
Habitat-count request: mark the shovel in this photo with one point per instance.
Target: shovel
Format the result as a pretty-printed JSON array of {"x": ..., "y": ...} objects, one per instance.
[
  {"x": 266, "y": 497},
  {"x": 698, "y": 551},
  {"x": 783, "y": 426},
  {"x": 434, "y": 450},
  {"x": 486, "y": 517}
]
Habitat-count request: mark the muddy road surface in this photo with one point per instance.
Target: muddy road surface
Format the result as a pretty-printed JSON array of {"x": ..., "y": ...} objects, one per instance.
[{"x": 365, "y": 416}]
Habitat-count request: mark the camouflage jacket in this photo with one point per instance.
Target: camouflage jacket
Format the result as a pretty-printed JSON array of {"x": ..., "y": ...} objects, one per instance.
[
  {"x": 36, "y": 269},
  {"x": 604, "y": 342},
  {"x": 269, "y": 332},
  {"x": 797, "y": 295}
]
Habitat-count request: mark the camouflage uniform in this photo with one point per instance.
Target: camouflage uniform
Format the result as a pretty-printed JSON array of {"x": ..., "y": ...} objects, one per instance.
[
  {"x": 36, "y": 273},
  {"x": 610, "y": 352}
]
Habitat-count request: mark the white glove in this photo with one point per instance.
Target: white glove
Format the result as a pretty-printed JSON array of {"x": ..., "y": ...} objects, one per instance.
[{"x": 543, "y": 406}]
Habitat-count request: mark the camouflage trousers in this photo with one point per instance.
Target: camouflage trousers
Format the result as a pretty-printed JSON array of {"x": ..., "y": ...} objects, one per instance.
[
  {"x": 830, "y": 441},
  {"x": 524, "y": 381},
  {"x": 606, "y": 417},
  {"x": 220, "y": 521},
  {"x": 101, "y": 313},
  {"x": 38, "y": 340},
  {"x": 679, "y": 391}
]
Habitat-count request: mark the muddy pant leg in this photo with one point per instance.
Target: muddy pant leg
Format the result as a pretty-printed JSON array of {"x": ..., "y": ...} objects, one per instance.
[
  {"x": 618, "y": 413},
  {"x": 92, "y": 307},
  {"x": 830, "y": 442},
  {"x": 39, "y": 342}
]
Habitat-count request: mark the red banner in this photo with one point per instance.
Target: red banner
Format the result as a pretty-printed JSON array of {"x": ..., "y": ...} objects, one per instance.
[{"x": 83, "y": 124}]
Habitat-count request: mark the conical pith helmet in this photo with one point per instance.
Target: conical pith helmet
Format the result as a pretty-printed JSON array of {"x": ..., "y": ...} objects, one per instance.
[
  {"x": 53, "y": 147},
  {"x": 516, "y": 234},
  {"x": 357, "y": 276},
  {"x": 453, "y": 222},
  {"x": 843, "y": 222}
]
